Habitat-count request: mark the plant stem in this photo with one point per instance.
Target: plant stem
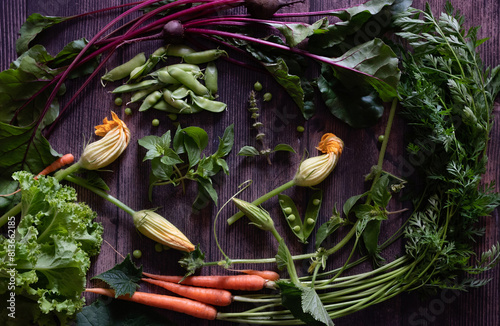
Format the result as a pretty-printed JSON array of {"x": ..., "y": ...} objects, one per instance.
[
  {"x": 100, "y": 193},
  {"x": 262, "y": 199}
]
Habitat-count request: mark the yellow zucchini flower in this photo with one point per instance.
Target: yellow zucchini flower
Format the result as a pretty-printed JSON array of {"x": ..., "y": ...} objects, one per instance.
[
  {"x": 157, "y": 228},
  {"x": 115, "y": 138},
  {"x": 315, "y": 169}
]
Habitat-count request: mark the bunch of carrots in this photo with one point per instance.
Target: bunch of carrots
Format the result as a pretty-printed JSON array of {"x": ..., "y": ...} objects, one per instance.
[{"x": 198, "y": 293}]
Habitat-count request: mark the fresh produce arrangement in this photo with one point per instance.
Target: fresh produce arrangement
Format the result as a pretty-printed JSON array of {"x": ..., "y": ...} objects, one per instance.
[{"x": 266, "y": 247}]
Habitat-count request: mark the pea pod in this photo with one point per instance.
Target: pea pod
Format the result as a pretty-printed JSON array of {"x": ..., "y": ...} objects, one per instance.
[
  {"x": 164, "y": 77},
  {"x": 141, "y": 94},
  {"x": 128, "y": 88},
  {"x": 149, "y": 64},
  {"x": 162, "y": 105},
  {"x": 292, "y": 216},
  {"x": 184, "y": 66},
  {"x": 211, "y": 77},
  {"x": 204, "y": 56},
  {"x": 178, "y": 50},
  {"x": 150, "y": 100},
  {"x": 208, "y": 105},
  {"x": 312, "y": 212},
  {"x": 178, "y": 104},
  {"x": 125, "y": 69},
  {"x": 188, "y": 80},
  {"x": 181, "y": 93}
]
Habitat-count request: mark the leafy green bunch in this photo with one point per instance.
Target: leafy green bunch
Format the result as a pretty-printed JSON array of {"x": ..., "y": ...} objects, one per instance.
[
  {"x": 175, "y": 160},
  {"x": 50, "y": 253}
]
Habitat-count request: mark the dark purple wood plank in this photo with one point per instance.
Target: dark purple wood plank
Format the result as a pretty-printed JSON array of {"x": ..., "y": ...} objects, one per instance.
[{"x": 128, "y": 182}]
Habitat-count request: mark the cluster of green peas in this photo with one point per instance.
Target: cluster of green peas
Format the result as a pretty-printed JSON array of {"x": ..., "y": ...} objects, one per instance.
[
  {"x": 302, "y": 229},
  {"x": 176, "y": 88}
]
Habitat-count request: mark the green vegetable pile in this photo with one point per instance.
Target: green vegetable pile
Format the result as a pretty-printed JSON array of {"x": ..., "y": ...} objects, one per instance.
[{"x": 50, "y": 250}]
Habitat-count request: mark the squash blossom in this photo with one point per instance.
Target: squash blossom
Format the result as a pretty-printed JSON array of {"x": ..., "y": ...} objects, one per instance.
[
  {"x": 115, "y": 138},
  {"x": 157, "y": 228},
  {"x": 315, "y": 169}
]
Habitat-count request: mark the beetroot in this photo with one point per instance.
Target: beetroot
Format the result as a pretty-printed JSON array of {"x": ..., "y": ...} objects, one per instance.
[{"x": 173, "y": 31}]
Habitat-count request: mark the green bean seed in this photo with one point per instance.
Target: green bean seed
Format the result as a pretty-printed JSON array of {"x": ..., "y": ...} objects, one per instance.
[
  {"x": 204, "y": 56},
  {"x": 158, "y": 247},
  {"x": 127, "y": 88},
  {"x": 267, "y": 97},
  {"x": 257, "y": 86},
  {"x": 150, "y": 101},
  {"x": 188, "y": 80},
  {"x": 137, "y": 254},
  {"x": 178, "y": 50},
  {"x": 208, "y": 105},
  {"x": 300, "y": 129},
  {"x": 211, "y": 77},
  {"x": 125, "y": 69},
  {"x": 118, "y": 101},
  {"x": 128, "y": 111},
  {"x": 155, "y": 122}
]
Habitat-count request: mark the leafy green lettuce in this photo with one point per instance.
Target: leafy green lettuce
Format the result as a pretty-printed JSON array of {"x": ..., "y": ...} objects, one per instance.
[{"x": 50, "y": 250}]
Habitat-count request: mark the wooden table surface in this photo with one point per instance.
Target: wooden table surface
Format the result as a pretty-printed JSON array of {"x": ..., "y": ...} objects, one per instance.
[{"x": 129, "y": 179}]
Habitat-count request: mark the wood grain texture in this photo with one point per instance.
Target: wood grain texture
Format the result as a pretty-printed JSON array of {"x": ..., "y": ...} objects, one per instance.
[{"x": 129, "y": 179}]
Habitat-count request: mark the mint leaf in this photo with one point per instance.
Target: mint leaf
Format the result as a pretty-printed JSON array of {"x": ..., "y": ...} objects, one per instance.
[
  {"x": 123, "y": 277},
  {"x": 248, "y": 151},
  {"x": 284, "y": 148}
]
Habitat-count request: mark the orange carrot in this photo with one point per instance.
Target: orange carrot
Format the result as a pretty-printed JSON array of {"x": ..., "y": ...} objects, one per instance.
[
  {"x": 215, "y": 297},
  {"x": 186, "y": 306},
  {"x": 233, "y": 282},
  {"x": 267, "y": 275},
  {"x": 59, "y": 163}
]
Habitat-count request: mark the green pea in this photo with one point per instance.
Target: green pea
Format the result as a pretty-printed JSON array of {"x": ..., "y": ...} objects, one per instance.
[
  {"x": 158, "y": 247},
  {"x": 310, "y": 221},
  {"x": 381, "y": 138},
  {"x": 189, "y": 81},
  {"x": 150, "y": 101},
  {"x": 204, "y": 56},
  {"x": 137, "y": 254},
  {"x": 155, "y": 122},
  {"x": 300, "y": 129},
  {"x": 125, "y": 69},
  {"x": 316, "y": 202},
  {"x": 257, "y": 86},
  {"x": 118, "y": 101},
  {"x": 128, "y": 111},
  {"x": 172, "y": 116},
  {"x": 288, "y": 210},
  {"x": 291, "y": 217},
  {"x": 267, "y": 97},
  {"x": 296, "y": 228},
  {"x": 211, "y": 77}
]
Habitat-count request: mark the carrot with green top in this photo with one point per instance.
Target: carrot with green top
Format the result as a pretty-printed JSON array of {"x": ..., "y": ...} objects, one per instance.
[
  {"x": 217, "y": 297},
  {"x": 182, "y": 305},
  {"x": 233, "y": 282}
]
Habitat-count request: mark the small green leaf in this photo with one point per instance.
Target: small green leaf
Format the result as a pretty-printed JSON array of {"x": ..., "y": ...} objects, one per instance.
[
  {"x": 311, "y": 304},
  {"x": 226, "y": 142},
  {"x": 205, "y": 191},
  {"x": 33, "y": 25},
  {"x": 161, "y": 171},
  {"x": 223, "y": 164},
  {"x": 123, "y": 277},
  {"x": 170, "y": 157},
  {"x": 248, "y": 151},
  {"x": 380, "y": 194},
  {"x": 198, "y": 135},
  {"x": 192, "y": 261},
  {"x": 284, "y": 148},
  {"x": 156, "y": 146},
  {"x": 349, "y": 203},
  {"x": 328, "y": 228},
  {"x": 296, "y": 33}
]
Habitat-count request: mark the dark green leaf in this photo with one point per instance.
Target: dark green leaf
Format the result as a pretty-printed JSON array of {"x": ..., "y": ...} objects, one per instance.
[
  {"x": 380, "y": 193},
  {"x": 156, "y": 146},
  {"x": 284, "y": 148},
  {"x": 170, "y": 157},
  {"x": 311, "y": 304},
  {"x": 69, "y": 53},
  {"x": 370, "y": 237},
  {"x": 123, "y": 277},
  {"x": 297, "y": 32},
  {"x": 161, "y": 171},
  {"x": 178, "y": 144},
  {"x": 349, "y": 203},
  {"x": 192, "y": 261},
  {"x": 226, "y": 142},
  {"x": 359, "y": 107},
  {"x": 282, "y": 255},
  {"x": 205, "y": 191},
  {"x": 248, "y": 151},
  {"x": 18, "y": 151},
  {"x": 198, "y": 135},
  {"x": 328, "y": 228},
  {"x": 33, "y": 25},
  {"x": 223, "y": 164},
  {"x": 119, "y": 313},
  {"x": 291, "y": 298}
]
